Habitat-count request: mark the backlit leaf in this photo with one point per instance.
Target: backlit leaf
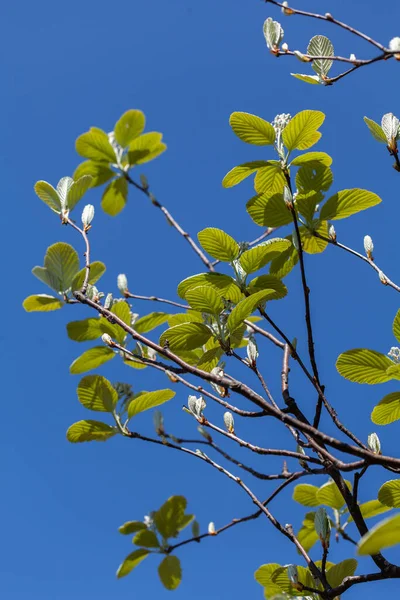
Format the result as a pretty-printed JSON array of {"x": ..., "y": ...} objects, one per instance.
[
  {"x": 62, "y": 262},
  {"x": 146, "y": 538},
  {"x": 306, "y": 494},
  {"x": 224, "y": 285},
  {"x": 337, "y": 573},
  {"x": 387, "y": 410},
  {"x": 187, "y": 336},
  {"x": 91, "y": 359},
  {"x": 94, "y": 144},
  {"x": 170, "y": 572},
  {"x": 301, "y": 131},
  {"x": 115, "y": 196},
  {"x": 131, "y": 527},
  {"x": 49, "y": 195},
  {"x": 150, "y": 322},
  {"x": 312, "y": 159},
  {"x": 389, "y": 493},
  {"x": 42, "y": 303},
  {"x": 330, "y": 495},
  {"x": 90, "y": 431},
  {"x": 257, "y": 257},
  {"x": 245, "y": 308},
  {"x": 148, "y": 400},
  {"x": 218, "y": 244},
  {"x": 364, "y": 366},
  {"x": 99, "y": 171},
  {"x": 268, "y": 282},
  {"x": 252, "y": 129},
  {"x": 270, "y": 178},
  {"x": 383, "y": 535},
  {"x": 146, "y": 147},
  {"x": 129, "y": 126},
  {"x": 97, "y": 269},
  {"x": 269, "y": 210},
  {"x": 205, "y": 300},
  {"x": 376, "y": 130},
  {"x": 131, "y": 561},
  {"x": 320, "y": 45},
  {"x": 96, "y": 393},
  {"x": 239, "y": 173},
  {"x": 347, "y": 203}
]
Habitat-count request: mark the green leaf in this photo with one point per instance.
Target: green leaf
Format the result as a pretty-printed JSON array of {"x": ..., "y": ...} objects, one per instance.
[
  {"x": 42, "y": 303},
  {"x": 149, "y": 400},
  {"x": 320, "y": 45},
  {"x": 62, "y": 262},
  {"x": 393, "y": 371},
  {"x": 311, "y": 180},
  {"x": 145, "y": 147},
  {"x": 269, "y": 210},
  {"x": 301, "y": 131},
  {"x": 218, "y": 244},
  {"x": 224, "y": 285},
  {"x": 370, "y": 509},
  {"x": 131, "y": 561},
  {"x": 281, "y": 266},
  {"x": 170, "y": 572},
  {"x": 239, "y": 173},
  {"x": 396, "y": 326},
  {"x": 115, "y": 196},
  {"x": 376, "y": 130},
  {"x": 151, "y": 321},
  {"x": 252, "y": 129},
  {"x": 49, "y": 195},
  {"x": 187, "y": 336},
  {"x": 330, "y": 495},
  {"x": 306, "y": 494},
  {"x": 364, "y": 366},
  {"x": 91, "y": 359},
  {"x": 312, "y": 244},
  {"x": 314, "y": 79},
  {"x": 312, "y": 159},
  {"x": 129, "y": 126},
  {"x": 131, "y": 527},
  {"x": 99, "y": 171},
  {"x": 389, "y": 493},
  {"x": 256, "y": 258},
  {"x": 185, "y": 521},
  {"x": 146, "y": 538},
  {"x": 122, "y": 311},
  {"x": 245, "y": 308},
  {"x": 347, "y": 203},
  {"x": 210, "y": 359},
  {"x": 387, "y": 410},
  {"x": 47, "y": 277},
  {"x": 90, "y": 431},
  {"x": 281, "y": 579},
  {"x": 205, "y": 299},
  {"x": 307, "y": 535},
  {"x": 268, "y": 282},
  {"x": 89, "y": 329},
  {"x": 191, "y": 316},
  {"x": 270, "y": 178},
  {"x": 337, "y": 573},
  {"x": 263, "y": 577},
  {"x": 94, "y": 144},
  {"x": 385, "y": 534},
  {"x": 97, "y": 269},
  {"x": 77, "y": 190},
  {"x": 170, "y": 518},
  {"x": 96, "y": 393}
]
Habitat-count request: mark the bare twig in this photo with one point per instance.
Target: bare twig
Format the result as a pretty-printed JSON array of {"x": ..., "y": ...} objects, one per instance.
[{"x": 128, "y": 294}]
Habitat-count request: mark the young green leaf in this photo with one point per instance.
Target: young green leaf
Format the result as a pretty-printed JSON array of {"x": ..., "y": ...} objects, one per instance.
[
  {"x": 90, "y": 431},
  {"x": 364, "y": 366},
  {"x": 387, "y": 410},
  {"x": 131, "y": 527},
  {"x": 77, "y": 190},
  {"x": 96, "y": 393},
  {"x": 99, "y": 171},
  {"x": 306, "y": 494},
  {"x": 42, "y": 303},
  {"x": 268, "y": 282},
  {"x": 131, "y": 561},
  {"x": 330, "y": 495},
  {"x": 245, "y": 308},
  {"x": 270, "y": 178},
  {"x": 376, "y": 130},
  {"x": 146, "y": 538},
  {"x": 62, "y": 263},
  {"x": 170, "y": 572},
  {"x": 256, "y": 258},
  {"x": 337, "y": 573},
  {"x": 97, "y": 270},
  {"x": 347, "y": 203},
  {"x": 210, "y": 359},
  {"x": 389, "y": 493},
  {"x": 312, "y": 159},
  {"x": 150, "y": 322},
  {"x": 115, "y": 196},
  {"x": 225, "y": 286},
  {"x": 91, "y": 359},
  {"x": 313, "y": 79},
  {"x": 396, "y": 326},
  {"x": 269, "y": 210},
  {"x": 122, "y": 311},
  {"x": 239, "y": 173},
  {"x": 263, "y": 577},
  {"x": 170, "y": 518},
  {"x": 89, "y": 329},
  {"x": 281, "y": 266},
  {"x": 95, "y": 145},
  {"x": 145, "y": 147},
  {"x": 310, "y": 243},
  {"x": 187, "y": 336},
  {"x": 252, "y": 129},
  {"x": 49, "y": 195},
  {"x": 218, "y": 244},
  {"x": 205, "y": 300},
  {"x": 370, "y": 509},
  {"x": 383, "y": 535},
  {"x": 301, "y": 132},
  {"x": 148, "y": 400},
  {"x": 320, "y": 45},
  {"x": 129, "y": 126}
]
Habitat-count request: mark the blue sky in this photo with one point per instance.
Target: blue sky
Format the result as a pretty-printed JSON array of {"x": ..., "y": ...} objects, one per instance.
[{"x": 187, "y": 65}]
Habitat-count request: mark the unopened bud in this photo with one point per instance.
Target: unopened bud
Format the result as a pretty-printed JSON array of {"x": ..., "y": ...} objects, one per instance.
[
  {"x": 374, "y": 443},
  {"x": 211, "y": 529},
  {"x": 322, "y": 527},
  {"x": 252, "y": 351},
  {"x": 295, "y": 240},
  {"x": 382, "y": 277},
  {"x": 301, "y": 56},
  {"x": 229, "y": 422},
  {"x": 368, "y": 246},
  {"x": 293, "y": 574},
  {"x": 87, "y": 216},
  {"x": 108, "y": 302},
  {"x": 144, "y": 182},
  {"x": 394, "y": 44},
  {"x": 332, "y": 233},
  {"x": 122, "y": 283},
  {"x": 287, "y": 196},
  {"x": 107, "y": 339},
  {"x": 352, "y": 57},
  {"x": 285, "y": 47},
  {"x": 158, "y": 421}
]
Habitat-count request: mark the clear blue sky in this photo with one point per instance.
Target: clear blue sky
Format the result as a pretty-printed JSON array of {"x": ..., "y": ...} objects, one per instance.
[{"x": 187, "y": 65}]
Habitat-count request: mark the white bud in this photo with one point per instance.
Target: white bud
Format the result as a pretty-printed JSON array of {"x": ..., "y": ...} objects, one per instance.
[
  {"x": 353, "y": 57},
  {"x": 122, "y": 283},
  {"x": 332, "y": 233},
  {"x": 108, "y": 302},
  {"x": 394, "y": 44},
  {"x": 196, "y": 405},
  {"x": 301, "y": 56},
  {"x": 322, "y": 526},
  {"x": 374, "y": 443},
  {"x": 87, "y": 215},
  {"x": 394, "y": 354},
  {"x": 252, "y": 350},
  {"x": 285, "y": 47},
  {"x": 382, "y": 277},
  {"x": 295, "y": 240},
  {"x": 229, "y": 422},
  {"x": 107, "y": 339},
  {"x": 293, "y": 574},
  {"x": 368, "y": 246},
  {"x": 287, "y": 196},
  {"x": 211, "y": 528}
]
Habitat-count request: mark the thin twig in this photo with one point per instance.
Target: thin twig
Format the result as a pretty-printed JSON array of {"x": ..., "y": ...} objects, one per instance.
[
  {"x": 128, "y": 294},
  {"x": 254, "y": 242}
]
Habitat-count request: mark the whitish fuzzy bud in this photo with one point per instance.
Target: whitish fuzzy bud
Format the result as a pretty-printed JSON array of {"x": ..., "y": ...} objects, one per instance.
[
  {"x": 122, "y": 283},
  {"x": 382, "y": 277},
  {"x": 300, "y": 450},
  {"x": 221, "y": 391},
  {"x": 158, "y": 421},
  {"x": 280, "y": 121},
  {"x": 394, "y": 44},
  {"x": 368, "y": 246},
  {"x": 196, "y": 405},
  {"x": 252, "y": 351},
  {"x": 352, "y": 57},
  {"x": 148, "y": 521},
  {"x": 295, "y": 240},
  {"x": 332, "y": 233},
  {"x": 229, "y": 422},
  {"x": 93, "y": 293},
  {"x": 293, "y": 574},
  {"x": 285, "y": 47},
  {"x": 300, "y": 56},
  {"x": 273, "y": 34},
  {"x": 204, "y": 433},
  {"x": 151, "y": 353},
  {"x": 211, "y": 528},
  {"x": 108, "y": 302},
  {"x": 322, "y": 526},
  {"x": 394, "y": 354},
  {"x": 374, "y": 443},
  {"x": 107, "y": 339},
  {"x": 87, "y": 215},
  {"x": 287, "y": 196}
]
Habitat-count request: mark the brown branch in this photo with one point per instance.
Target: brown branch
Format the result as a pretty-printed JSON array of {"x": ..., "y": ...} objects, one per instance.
[
  {"x": 128, "y": 294},
  {"x": 264, "y": 333},
  {"x": 170, "y": 220}
]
